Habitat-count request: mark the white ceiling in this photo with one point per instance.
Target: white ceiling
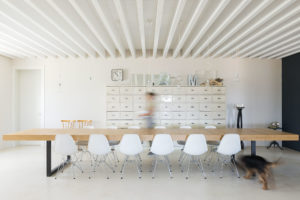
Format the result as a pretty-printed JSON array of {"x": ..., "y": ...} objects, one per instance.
[{"x": 149, "y": 28}]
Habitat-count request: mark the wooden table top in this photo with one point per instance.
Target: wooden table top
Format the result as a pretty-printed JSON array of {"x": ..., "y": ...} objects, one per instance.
[{"x": 248, "y": 134}]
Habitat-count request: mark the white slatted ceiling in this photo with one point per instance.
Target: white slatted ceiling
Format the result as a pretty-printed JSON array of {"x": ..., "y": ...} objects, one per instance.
[{"x": 149, "y": 28}]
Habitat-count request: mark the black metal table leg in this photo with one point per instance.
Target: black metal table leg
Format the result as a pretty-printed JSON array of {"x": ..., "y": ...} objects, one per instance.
[
  {"x": 275, "y": 144},
  {"x": 253, "y": 148},
  {"x": 51, "y": 171}
]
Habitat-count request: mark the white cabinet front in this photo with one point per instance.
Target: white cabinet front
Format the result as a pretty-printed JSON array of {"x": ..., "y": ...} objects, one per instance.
[
  {"x": 126, "y": 115},
  {"x": 125, "y": 107},
  {"x": 112, "y": 99},
  {"x": 126, "y": 90},
  {"x": 112, "y": 115},
  {"x": 112, "y": 90},
  {"x": 113, "y": 107}
]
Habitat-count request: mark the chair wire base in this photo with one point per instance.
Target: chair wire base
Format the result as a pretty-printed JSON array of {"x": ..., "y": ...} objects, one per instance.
[
  {"x": 191, "y": 159},
  {"x": 73, "y": 163},
  {"x": 138, "y": 162},
  {"x": 101, "y": 160},
  {"x": 165, "y": 160}
]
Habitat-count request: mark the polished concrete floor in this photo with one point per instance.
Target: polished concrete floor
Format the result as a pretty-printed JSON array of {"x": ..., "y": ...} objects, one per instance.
[{"x": 23, "y": 176}]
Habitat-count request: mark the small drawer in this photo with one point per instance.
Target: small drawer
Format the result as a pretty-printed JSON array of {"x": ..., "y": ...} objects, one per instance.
[
  {"x": 126, "y": 99},
  {"x": 112, "y": 99},
  {"x": 193, "y": 122},
  {"x": 113, "y": 107},
  {"x": 219, "y": 115},
  {"x": 139, "y": 99},
  {"x": 126, "y": 107},
  {"x": 206, "y": 115},
  {"x": 205, "y": 98},
  {"x": 192, "y": 98},
  {"x": 178, "y": 98},
  {"x": 139, "y": 90},
  {"x": 126, "y": 115},
  {"x": 206, "y": 122},
  {"x": 166, "y": 115},
  {"x": 156, "y": 115},
  {"x": 112, "y": 115},
  {"x": 218, "y": 90},
  {"x": 219, "y": 98},
  {"x": 152, "y": 89},
  {"x": 205, "y": 90},
  {"x": 179, "y": 115},
  {"x": 166, "y": 123},
  {"x": 193, "y": 90},
  {"x": 166, "y": 107},
  {"x": 219, "y": 123},
  {"x": 179, "y": 107},
  {"x": 140, "y": 123},
  {"x": 113, "y": 123},
  {"x": 112, "y": 90},
  {"x": 192, "y": 115},
  {"x": 179, "y": 122},
  {"x": 164, "y": 90},
  {"x": 139, "y": 107},
  {"x": 192, "y": 107},
  {"x": 166, "y": 98},
  {"x": 126, "y": 90},
  {"x": 218, "y": 107},
  {"x": 125, "y": 123},
  {"x": 205, "y": 107},
  {"x": 179, "y": 90}
]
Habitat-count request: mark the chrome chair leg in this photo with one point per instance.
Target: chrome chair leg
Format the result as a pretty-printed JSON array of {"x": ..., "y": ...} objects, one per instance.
[
  {"x": 182, "y": 162},
  {"x": 181, "y": 156},
  {"x": 237, "y": 171},
  {"x": 123, "y": 166},
  {"x": 188, "y": 167},
  {"x": 154, "y": 168},
  {"x": 203, "y": 173},
  {"x": 138, "y": 166},
  {"x": 168, "y": 166}
]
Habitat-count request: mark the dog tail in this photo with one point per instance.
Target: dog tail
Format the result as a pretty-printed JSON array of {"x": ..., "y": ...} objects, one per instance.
[{"x": 275, "y": 163}]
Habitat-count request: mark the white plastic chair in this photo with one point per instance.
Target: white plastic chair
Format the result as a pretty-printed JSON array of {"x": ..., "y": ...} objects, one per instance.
[
  {"x": 99, "y": 147},
  {"x": 229, "y": 146},
  {"x": 66, "y": 146},
  {"x": 114, "y": 144},
  {"x": 162, "y": 146},
  {"x": 195, "y": 146},
  {"x": 131, "y": 146},
  {"x": 180, "y": 143},
  {"x": 212, "y": 147}
]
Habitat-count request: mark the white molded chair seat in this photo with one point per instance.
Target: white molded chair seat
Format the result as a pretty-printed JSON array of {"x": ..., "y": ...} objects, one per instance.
[
  {"x": 195, "y": 146},
  {"x": 66, "y": 146},
  {"x": 131, "y": 145},
  {"x": 229, "y": 146},
  {"x": 162, "y": 145},
  {"x": 99, "y": 147}
]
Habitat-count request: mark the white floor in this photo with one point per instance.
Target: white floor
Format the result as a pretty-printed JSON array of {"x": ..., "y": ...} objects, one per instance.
[{"x": 23, "y": 176}]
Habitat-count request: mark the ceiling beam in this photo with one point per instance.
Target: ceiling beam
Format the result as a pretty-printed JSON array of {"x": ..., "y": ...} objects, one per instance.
[
  {"x": 11, "y": 32},
  {"x": 286, "y": 44},
  {"x": 258, "y": 23},
  {"x": 262, "y": 32},
  {"x": 8, "y": 55},
  {"x": 81, "y": 51},
  {"x": 284, "y": 31},
  {"x": 159, "y": 14},
  {"x": 26, "y": 20},
  {"x": 125, "y": 26},
  {"x": 109, "y": 28},
  {"x": 15, "y": 42},
  {"x": 221, "y": 6},
  {"x": 140, "y": 13},
  {"x": 109, "y": 48},
  {"x": 14, "y": 51},
  {"x": 175, "y": 22},
  {"x": 221, "y": 27},
  {"x": 190, "y": 26},
  {"x": 289, "y": 52},
  {"x": 81, "y": 31},
  {"x": 237, "y": 27},
  {"x": 19, "y": 49}
]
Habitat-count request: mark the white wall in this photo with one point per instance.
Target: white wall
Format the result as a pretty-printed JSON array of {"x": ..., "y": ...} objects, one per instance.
[
  {"x": 5, "y": 98},
  {"x": 253, "y": 82}
]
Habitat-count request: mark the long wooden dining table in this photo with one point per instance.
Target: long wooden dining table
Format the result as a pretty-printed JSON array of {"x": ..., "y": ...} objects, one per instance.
[{"x": 48, "y": 135}]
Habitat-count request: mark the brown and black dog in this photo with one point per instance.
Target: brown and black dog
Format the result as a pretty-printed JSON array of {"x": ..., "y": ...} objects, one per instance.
[{"x": 257, "y": 165}]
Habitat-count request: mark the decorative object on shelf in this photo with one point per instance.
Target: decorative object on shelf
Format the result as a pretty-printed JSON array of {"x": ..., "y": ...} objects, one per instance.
[
  {"x": 164, "y": 79},
  {"x": 274, "y": 126},
  {"x": 117, "y": 74},
  {"x": 192, "y": 80},
  {"x": 216, "y": 82},
  {"x": 239, "y": 123}
]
